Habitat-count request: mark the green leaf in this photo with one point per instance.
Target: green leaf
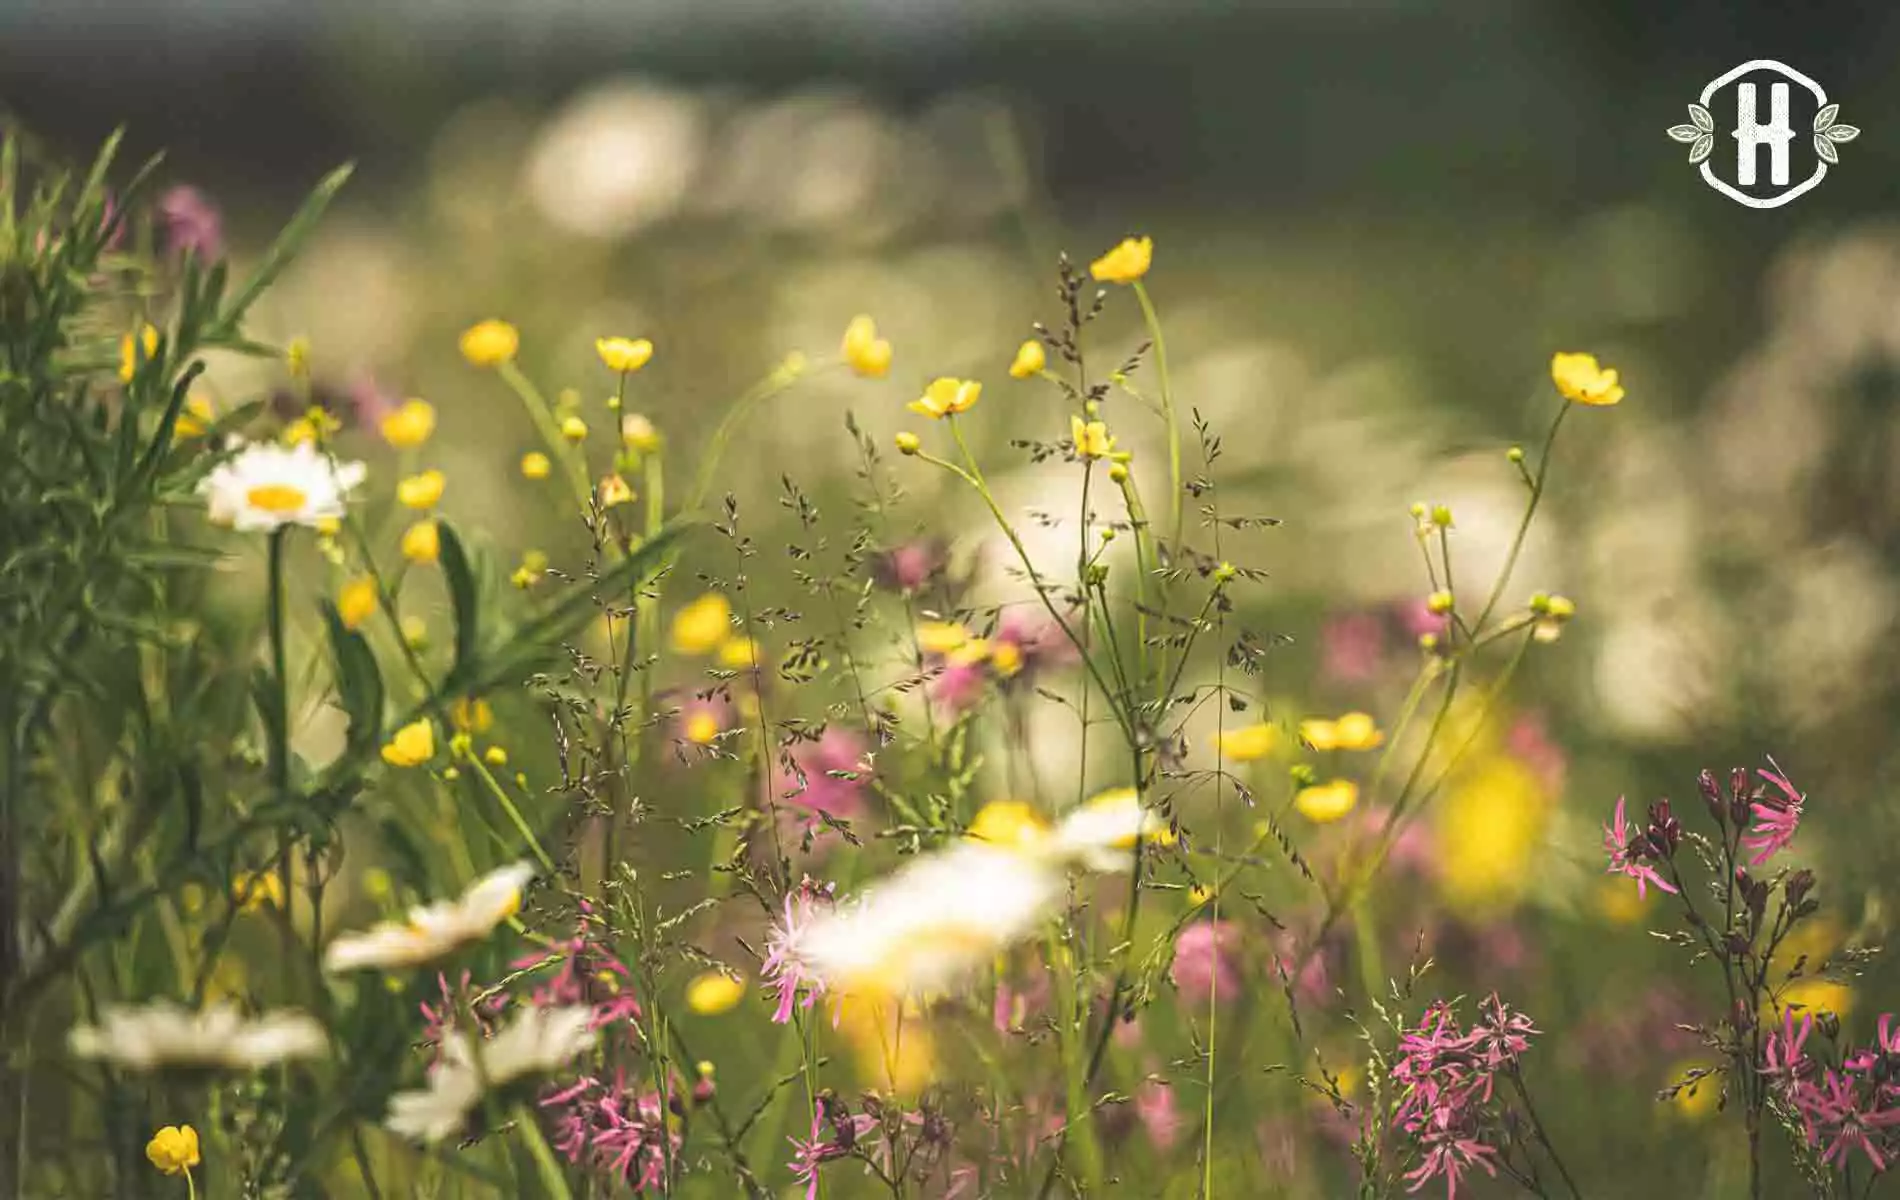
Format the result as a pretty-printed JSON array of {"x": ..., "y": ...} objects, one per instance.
[
  {"x": 539, "y": 638},
  {"x": 282, "y": 250},
  {"x": 457, "y": 570},
  {"x": 359, "y": 681}
]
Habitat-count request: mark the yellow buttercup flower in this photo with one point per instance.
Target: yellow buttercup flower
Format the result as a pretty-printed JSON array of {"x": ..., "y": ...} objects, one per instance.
[
  {"x": 702, "y": 626},
  {"x": 713, "y": 992},
  {"x": 1248, "y": 743},
  {"x": 195, "y": 419},
  {"x": 1030, "y": 360},
  {"x": 947, "y": 396},
  {"x": 129, "y": 352},
  {"x": 574, "y": 429},
  {"x": 490, "y": 343},
  {"x": 1126, "y": 263},
  {"x": 1354, "y": 731},
  {"x": 865, "y": 352},
  {"x": 1326, "y": 802},
  {"x": 535, "y": 465},
  {"x": 1091, "y": 438},
  {"x": 702, "y": 728},
  {"x": 941, "y": 637},
  {"x": 422, "y": 542},
  {"x": 1011, "y": 823},
  {"x": 356, "y": 603},
  {"x": 624, "y": 355},
  {"x": 614, "y": 490},
  {"x": 1006, "y": 658},
  {"x": 256, "y": 891},
  {"x": 495, "y": 756},
  {"x": 413, "y": 745},
  {"x": 410, "y": 425},
  {"x": 1581, "y": 379},
  {"x": 315, "y": 427},
  {"x": 1697, "y": 1100},
  {"x": 738, "y": 653},
  {"x": 174, "y": 1149},
  {"x": 421, "y": 491},
  {"x": 1490, "y": 827}
]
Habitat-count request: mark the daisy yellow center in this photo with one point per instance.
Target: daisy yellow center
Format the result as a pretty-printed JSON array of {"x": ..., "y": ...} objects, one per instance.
[{"x": 277, "y": 498}]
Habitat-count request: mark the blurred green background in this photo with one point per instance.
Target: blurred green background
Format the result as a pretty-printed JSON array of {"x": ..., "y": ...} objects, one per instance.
[{"x": 1374, "y": 224}]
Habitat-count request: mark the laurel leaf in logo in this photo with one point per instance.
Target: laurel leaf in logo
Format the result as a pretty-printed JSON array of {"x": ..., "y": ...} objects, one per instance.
[
  {"x": 1825, "y": 117},
  {"x": 1841, "y": 133},
  {"x": 1703, "y": 147},
  {"x": 1703, "y": 119},
  {"x": 1826, "y": 149},
  {"x": 1684, "y": 133}
]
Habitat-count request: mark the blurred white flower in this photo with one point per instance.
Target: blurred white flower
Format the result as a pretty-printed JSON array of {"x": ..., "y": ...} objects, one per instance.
[
  {"x": 1839, "y": 609},
  {"x": 931, "y": 923},
  {"x": 265, "y": 486},
  {"x": 164, "y": 1034},
  {"x": 617, "y": 159},
  {"x": 811, "y": 161},
  {"x": 537, "y": 1041},
  {"x": 434, "y": 930},
  {"x": 1652, "y": 677},
  {"x": 1101, "y": 833}
]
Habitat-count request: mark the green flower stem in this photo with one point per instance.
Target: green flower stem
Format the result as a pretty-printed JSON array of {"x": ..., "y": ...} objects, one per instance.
[
  {"x": 1153, "y": 322},
  {"x": 553, "y": 1179},
  {"x": 974, "y": 477},
  {"x": 1523, "y": 527},
  {"x": 780, "y": 380},
  {"x": 514, "y": 814},
  {"x": 563, "y": 451}
]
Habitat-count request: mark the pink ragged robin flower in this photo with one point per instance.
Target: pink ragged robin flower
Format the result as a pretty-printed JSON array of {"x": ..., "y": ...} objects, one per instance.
[
  {"x": 615, "y": 1129},
  {"x": 1448, "y": 1155},
  {"x": 1627, "y": 846},
  {"x": 783, "y": 969},
  {"x": 1776, "y": 817}
]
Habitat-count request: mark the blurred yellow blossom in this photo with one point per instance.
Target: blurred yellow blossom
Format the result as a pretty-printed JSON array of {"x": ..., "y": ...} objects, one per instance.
[
  {"x": 422, "y": 542},
  {"x": 490, "y": 343},
  {"x": 412, "y": 745},
  {"x": 421, "y": 491},
  {"x": 316, "y": 426},
  {"x": 946, "y": 396},
  {"x": 174, "y": 1149},
  {"x": 865, "y": 352},
  {"x": 702, "y": 727},
  {"x": 254, "y": 891},
  {"x": 495, "y": 756},
  {"x": 1698, "y": 1099},
  {"x": 1091, "y": 438},
  {"x": 1126, "y": 263},
  {"x": 1030, "y": 360},
  {"x": 702, "y": 626},
  {"x": 475, "y": 714},
  {"x": 714, "y": 992},
  {"x": 624, "y": 355},
  {"x": 573, "y": 429},
  {"x": 1489, "y": 828},
  {"x": 940, "y": 637},
  {"x": 415, "y": 632},
  {"x": 535, "y": 465},
  {"x": 195, "y": 418},
  {"x": 1011, "y": 823},
  {"x": 1323, "y": 803},
  {"x": 1354, "y": 731},
  {"x": 1006, "y": 658},
  {"x": 614, "y": 490},
  {"x": 736, "y": 653},
  {"x": 1248, "y": 743},
  {"x": 129, "y": 352},
  {"x": 1580, "y": 378},
  {"x": 638, "y": 433},
  {"x": 297, "y": 357},
  {"x": 908, "y": 442},
  {"x": 356, "y": 602},
  {"x": 410, "y": 425}
]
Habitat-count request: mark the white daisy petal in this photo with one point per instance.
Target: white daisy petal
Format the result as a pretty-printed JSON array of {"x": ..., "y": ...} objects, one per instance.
[
  {"x": 265, "y": 486},
  {"x": 163, "y": 1034},
  {"x": 434, "y": 930}
]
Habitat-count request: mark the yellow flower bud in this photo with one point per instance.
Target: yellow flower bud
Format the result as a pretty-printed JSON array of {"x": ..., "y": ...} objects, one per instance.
[
  {"x": 1030, "y": 360},
  {"x": 908, "y": 443},
  {"x": 490, "y": 343},
  {"x": 574, "y": 429},
  {"x": 421, "y": 491},
  {"x": 132, "y": 354},
  {"x": 356, "y": 603},
  {"x": 422, "y": 542},
  {"x": 410, "y": 425},
  {"x": 638, "y": 433},
  {"x": 614, "y": 490},
  {"x": 535, "y": 465},
  {"x": 1327, "y": 802},
  {"x": 865, "y": 352},
  {"x": 714, "y": 992}
]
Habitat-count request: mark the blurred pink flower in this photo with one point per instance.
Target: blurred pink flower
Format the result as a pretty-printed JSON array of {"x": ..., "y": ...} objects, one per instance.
[
  {"x": 1015, "y": 1006},
  {"x": 911, "y": 566},
  {"x": 1417, "y": 618},
  {"x": 1776, "y": 817},
  {"x": 1206, "y": 960},
  {"x": 1352, "y": 647},
  {"x": 827, "y": 778},
  {"x": 1036, "y": 637},
  {"x": 615, "y": 1128},
  {"x": 1313, "y": 986},
  {"x": 1529, "y": 741},
  {"x": 191, "y": 223},
  {"x": 1160, "y": 1118}
]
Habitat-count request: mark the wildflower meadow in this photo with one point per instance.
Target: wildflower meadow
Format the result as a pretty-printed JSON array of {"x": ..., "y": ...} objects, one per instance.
[{"x": 926, "y": 769}]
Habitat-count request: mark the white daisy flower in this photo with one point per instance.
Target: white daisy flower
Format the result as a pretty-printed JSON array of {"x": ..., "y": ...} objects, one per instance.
[
  {"x": 1101, "y": 834},
  {"x": 537, "y": 1041},
  {"x": 266, "y": 485},
  {"x": 434, "y": 930},
  {"x": 164, "y": 1034},
  {"x": 932, "y": 922}
]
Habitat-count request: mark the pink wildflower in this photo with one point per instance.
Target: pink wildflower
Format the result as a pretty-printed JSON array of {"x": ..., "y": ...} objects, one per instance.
[
  {"x": 589, "y": 973},
  {"x": 1159, "y": 1116},
  {"x": 1351, "y": 647},
  {"x": 826, "y": 777},
  {"x": 783, "y": 969},
  {"x": 192, "y": 223},
  {"x": 1776, "y": 817},
  {"x": 615, "y": 1129},
  {"x": 1206, "y": 959},
  {"x": 1627, "y": 845}
]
